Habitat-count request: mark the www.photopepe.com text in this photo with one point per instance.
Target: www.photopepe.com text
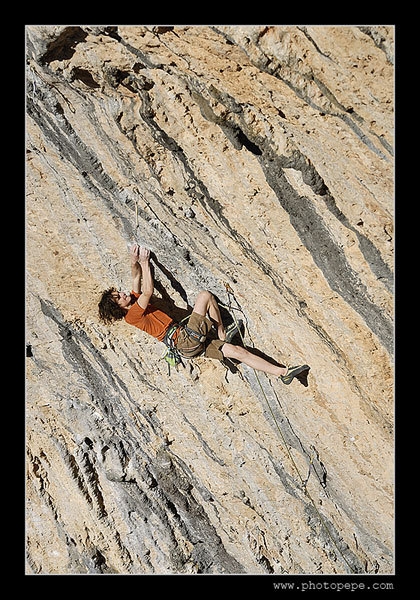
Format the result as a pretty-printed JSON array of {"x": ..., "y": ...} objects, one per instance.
[{"x": 338, "y": 586}]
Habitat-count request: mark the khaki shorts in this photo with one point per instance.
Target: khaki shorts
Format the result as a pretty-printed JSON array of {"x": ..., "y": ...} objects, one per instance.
[{"x": 189, "y": 347}]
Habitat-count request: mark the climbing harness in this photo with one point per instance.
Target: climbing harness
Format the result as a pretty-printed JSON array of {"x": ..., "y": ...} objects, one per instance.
[
  {"x": 172, "y": 355},
  {"x": 195, "y": 335},
  {"x": 303, "y": 482}
]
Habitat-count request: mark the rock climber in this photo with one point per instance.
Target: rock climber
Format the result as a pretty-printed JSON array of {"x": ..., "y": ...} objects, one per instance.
[{"x": 190, "y": 339}]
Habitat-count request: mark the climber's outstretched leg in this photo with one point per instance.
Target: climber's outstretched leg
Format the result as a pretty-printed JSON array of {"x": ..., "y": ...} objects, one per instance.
[
  {"x": 286, "y": 374},
  {"x": 252, "y": 360}
]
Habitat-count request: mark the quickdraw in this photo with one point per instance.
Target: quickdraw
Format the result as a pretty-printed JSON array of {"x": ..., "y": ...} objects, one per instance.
[{"x": 171, "y": 354}]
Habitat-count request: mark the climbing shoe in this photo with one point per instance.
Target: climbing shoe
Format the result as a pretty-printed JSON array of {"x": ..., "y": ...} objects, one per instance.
[
  {"x": 232, "y": 330},
  {"x": 292, "y": 372}
]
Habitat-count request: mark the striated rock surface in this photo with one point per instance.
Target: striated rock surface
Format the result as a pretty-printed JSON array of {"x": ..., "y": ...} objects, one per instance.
[{"x": 258, "y": 157}]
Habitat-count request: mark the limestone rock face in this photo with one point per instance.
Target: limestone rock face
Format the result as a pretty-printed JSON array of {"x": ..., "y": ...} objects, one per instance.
[{"x": 255, "y": 162}]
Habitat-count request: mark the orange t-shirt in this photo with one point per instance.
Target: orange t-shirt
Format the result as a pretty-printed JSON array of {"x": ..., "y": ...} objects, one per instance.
[{"x": 151, "y": 320}]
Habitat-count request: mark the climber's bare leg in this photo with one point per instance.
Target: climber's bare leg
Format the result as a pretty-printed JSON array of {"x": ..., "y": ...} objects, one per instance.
[
  {"x": 252, "y": 360},
  {"x": 206, "y": 303}
]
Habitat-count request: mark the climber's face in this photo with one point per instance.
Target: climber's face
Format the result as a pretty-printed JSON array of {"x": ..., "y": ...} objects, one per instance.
[{"x": 122, "y": 299}]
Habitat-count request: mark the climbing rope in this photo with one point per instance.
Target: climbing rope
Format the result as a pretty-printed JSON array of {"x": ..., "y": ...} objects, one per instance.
[{"x": 231, "y": 294}]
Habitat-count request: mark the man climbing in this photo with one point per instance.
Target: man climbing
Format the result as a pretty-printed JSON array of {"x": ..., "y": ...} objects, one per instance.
[{"x": 190, "y": 339}]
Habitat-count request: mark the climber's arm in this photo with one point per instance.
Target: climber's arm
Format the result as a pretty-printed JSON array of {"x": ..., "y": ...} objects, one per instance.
[
  {"x": 135, "y": 268},
  {"x": 146, "y": 273}
]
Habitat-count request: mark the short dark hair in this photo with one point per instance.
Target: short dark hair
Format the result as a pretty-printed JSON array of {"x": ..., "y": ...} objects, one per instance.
[{"x": 109, "y": 310}]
